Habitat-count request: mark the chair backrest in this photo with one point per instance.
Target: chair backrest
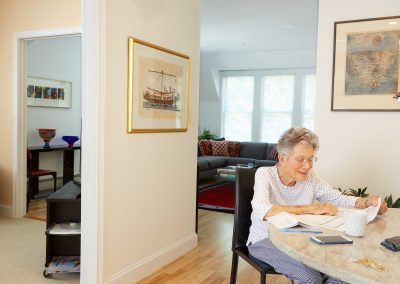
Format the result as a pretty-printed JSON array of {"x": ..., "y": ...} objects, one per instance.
[{"x": 243, "y": 195}]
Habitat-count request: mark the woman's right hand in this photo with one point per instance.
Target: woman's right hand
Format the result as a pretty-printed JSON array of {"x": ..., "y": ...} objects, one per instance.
[{"x": 323, "y": 209}]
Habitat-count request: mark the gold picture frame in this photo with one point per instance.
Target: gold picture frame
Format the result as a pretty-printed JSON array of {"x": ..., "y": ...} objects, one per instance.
[
  {"x": 158, "y": 88},
  {"x": 366, "y": 65}
]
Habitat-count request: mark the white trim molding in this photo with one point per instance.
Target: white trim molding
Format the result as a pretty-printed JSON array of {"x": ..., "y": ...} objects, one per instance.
[
  {"x": 151, "y": 263},
  {"x": 93, "y": 124}
]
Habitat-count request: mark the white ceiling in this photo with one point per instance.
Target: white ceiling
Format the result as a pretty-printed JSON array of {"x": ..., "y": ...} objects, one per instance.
[{"x": 258, "y": 25}]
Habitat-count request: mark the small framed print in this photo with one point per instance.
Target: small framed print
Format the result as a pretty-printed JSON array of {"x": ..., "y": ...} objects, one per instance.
[{"x": 48, "y": 93}]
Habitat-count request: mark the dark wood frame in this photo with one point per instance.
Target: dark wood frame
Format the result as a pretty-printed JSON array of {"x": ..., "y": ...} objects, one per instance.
[{"x": 334, "y": 64}]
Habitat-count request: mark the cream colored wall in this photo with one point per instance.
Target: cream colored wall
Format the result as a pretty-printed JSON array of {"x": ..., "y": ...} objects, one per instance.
[
  {"x": 19, "y": 16},
  {"x": 358, "y": 149},
  {"x": 149, "y": 201}
]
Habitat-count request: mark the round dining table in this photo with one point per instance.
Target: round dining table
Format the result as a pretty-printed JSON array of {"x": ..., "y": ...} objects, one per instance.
[{"x": 340, "y": 260}]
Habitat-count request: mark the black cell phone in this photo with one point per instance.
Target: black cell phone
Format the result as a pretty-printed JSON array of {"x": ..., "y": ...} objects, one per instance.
[{"x": 331, "y": 240}]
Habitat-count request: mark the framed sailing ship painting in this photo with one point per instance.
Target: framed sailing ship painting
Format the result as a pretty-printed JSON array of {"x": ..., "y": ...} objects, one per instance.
[
  {"x": 366, "y": 65},
  {"x": 158, "y": 88}
]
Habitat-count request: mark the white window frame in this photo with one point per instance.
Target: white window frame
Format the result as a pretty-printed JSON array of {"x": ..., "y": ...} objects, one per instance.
[{"x": 299, "y": 93}]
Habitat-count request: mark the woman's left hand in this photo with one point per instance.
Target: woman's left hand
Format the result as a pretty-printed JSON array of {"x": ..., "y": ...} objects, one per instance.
[{"x": 372, "y": 201}]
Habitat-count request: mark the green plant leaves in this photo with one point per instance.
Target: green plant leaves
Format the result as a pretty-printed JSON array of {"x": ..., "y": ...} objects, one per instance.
[
  {"x": 390, "y": 203},
  {"x": 359, "y": 192}
]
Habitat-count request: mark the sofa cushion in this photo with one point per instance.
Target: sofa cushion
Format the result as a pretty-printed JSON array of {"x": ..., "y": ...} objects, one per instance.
[
  {"x": 202, "y": 163},
  {"x": 237, "y": 160},
  {"x": 264, "y": 163},
  {"x": 216, "y": 161},
  {"x": 273, "y": 155},
  {"x": 253, "y": 150},
  {"x": 233, "y": 148},
  {"x": 205, "y": 147},
  {"x": 220, "y": 148}
]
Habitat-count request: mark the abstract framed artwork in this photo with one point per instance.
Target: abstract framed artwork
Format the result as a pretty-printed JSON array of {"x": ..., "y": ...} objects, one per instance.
[
  {"x": 366, "y": 65},
  {"x": 158, "y": 88},
  {"x": 48, "y": 93}
]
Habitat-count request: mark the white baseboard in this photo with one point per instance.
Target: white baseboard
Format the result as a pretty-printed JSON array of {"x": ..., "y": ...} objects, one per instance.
[
  {"x": 152, "y": 263},
  {"x": 6, "y": 210}
]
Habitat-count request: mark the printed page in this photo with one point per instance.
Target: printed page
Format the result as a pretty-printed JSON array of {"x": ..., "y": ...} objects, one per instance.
[
  {"x": 283, "y": 220},
  {"x": 324, "y": 221},
  {"x": 373, "y": 210}
]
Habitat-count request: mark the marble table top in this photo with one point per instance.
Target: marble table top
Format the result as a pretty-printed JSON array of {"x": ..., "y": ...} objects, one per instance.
[{"x": 336, "y": 260}]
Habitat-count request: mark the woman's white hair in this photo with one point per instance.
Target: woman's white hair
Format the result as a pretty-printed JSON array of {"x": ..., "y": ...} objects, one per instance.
[{"x": 294, "y": 136}]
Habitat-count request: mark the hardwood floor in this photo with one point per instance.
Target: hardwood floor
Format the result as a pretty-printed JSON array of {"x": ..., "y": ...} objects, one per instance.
[
  {"x": 37, "y": 209},
  {"x": 210, "y": 261}
]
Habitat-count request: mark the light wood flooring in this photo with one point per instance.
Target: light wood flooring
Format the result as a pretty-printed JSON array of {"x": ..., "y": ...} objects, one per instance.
[
  {"x": 37, "y": 209},
  {"x": 210, "y": 261}
]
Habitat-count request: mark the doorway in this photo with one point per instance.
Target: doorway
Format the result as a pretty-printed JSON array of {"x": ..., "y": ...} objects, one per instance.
[
  {"x": 53, "y": 102},
  {"x": 21, "y": 41}
]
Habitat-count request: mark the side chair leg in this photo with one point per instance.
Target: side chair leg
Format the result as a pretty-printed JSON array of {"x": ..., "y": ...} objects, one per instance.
[
  {"x": 28, "y": 195},
  {"x": 55, "y": 182},
  {"x": 234, "y": 268},
  {"x": 263, "y": 279}
]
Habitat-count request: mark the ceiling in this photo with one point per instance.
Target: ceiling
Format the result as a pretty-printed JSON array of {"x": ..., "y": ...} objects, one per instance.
[{"x": 258, "y": 25}]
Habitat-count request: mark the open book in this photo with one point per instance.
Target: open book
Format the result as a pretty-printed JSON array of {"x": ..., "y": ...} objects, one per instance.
[{"x": 286, "y": 220}]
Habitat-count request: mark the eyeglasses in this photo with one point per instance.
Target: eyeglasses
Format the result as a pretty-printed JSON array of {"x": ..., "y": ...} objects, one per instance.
[{"x": 302, "y": 160}]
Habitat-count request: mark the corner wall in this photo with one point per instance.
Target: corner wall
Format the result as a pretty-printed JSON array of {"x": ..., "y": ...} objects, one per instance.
[
  {"x": 358, "y": 149},
  {"x": 20, "y": 16},
  {"x": 150, "y": 182}
]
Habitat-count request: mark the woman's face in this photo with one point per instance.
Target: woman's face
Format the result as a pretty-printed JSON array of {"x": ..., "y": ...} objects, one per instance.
[{"x": 298, "y": 163}]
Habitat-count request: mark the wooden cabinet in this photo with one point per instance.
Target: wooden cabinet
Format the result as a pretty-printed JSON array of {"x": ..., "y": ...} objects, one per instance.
[{"x": 63, "y": 239}]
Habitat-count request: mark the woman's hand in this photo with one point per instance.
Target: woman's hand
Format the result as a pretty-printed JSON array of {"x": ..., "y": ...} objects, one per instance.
[
  {"x": 323, "y": 209},
  {"x": 372, "y": 201}
]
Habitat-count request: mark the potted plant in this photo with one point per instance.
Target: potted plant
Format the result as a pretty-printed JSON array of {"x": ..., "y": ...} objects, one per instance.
[
  {"x": 207, "y": 135},
  {"x": 360, "y": 192},
  {"x": 390, "y": 203}
]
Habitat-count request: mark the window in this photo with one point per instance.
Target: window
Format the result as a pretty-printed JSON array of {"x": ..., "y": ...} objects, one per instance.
[
  {"x": 261, "y": 105},
  {"x": 237, "y": 110},
  {"x": 277, "y": 106},
  {"x": 308, "y": 101}
]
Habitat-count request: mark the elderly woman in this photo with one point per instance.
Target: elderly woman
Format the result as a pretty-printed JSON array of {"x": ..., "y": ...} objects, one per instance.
[{"x": 293, "y": 187}]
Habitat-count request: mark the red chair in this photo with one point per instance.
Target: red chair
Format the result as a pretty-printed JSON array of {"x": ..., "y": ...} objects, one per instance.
[{"x": 36, "y": 173}]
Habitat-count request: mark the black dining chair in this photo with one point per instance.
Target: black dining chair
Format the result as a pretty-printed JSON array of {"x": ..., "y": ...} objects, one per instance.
[
  {"x": 244, "y": 194},
  {"x": 35, "y": 173}
]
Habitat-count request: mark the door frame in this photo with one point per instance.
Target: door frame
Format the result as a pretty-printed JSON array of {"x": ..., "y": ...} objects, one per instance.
[
  {"x": 20, "y": 41},
  {"x": 92, "y": 133}
]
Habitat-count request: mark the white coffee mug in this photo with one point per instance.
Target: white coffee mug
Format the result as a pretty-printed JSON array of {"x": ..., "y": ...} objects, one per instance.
[{"x": 355, "y": 222}]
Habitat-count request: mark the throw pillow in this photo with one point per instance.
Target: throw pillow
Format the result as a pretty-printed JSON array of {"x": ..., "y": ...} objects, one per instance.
[
  {"x": 205, "y": 147},
  {"x": 220, "y": 148},
  {"x": 273, "y": 155},
  {"x": 233, "y": 148}
]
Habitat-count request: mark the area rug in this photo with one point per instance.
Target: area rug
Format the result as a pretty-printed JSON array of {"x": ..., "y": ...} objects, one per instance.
[{"x": 219, "y": 197}]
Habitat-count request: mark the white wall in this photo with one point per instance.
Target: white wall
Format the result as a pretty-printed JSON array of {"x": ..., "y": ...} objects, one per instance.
[
  {"x": 150, "y": 182},
  {"x": 358, "y": 149},
  {"x": 212, "y": 64},
  {"x": 56, "y": 59}
]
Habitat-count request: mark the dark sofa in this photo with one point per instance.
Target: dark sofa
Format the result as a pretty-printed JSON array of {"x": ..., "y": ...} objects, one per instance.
[{"x": 256, "y": 153}]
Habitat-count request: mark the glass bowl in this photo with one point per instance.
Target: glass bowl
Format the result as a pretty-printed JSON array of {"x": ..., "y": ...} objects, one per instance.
[
  {"x": 47, "y": 134},
  {"x": 70, "y": 140}
]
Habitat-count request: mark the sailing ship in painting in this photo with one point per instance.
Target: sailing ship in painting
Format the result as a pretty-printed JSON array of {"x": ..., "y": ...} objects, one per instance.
[{"x": 161, "y": 92}]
